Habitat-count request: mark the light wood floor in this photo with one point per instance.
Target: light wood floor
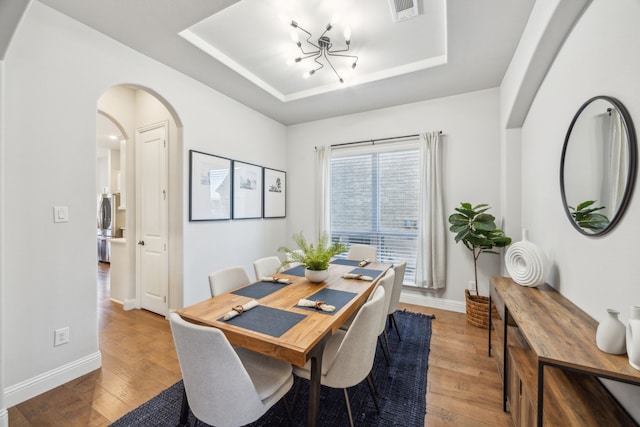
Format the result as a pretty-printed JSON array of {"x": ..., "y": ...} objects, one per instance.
[{"x": 139, "y": 361}]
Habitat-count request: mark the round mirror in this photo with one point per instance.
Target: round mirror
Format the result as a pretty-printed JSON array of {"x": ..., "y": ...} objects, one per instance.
[{"x": 598, "y": 165}]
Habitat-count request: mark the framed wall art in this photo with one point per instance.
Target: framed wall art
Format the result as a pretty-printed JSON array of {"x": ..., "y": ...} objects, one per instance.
[
  {"x": 275, "y": 193},
  {"x": 247, "y": 190},
  {"x": 210, "y": 190}
]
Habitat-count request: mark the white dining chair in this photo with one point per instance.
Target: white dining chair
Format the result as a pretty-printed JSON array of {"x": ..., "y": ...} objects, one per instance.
[
  {"x": 399, "y": 271},
  {"x": 226, "y": 386},
  {"x": 362, "y": 252},
  {"x": 267, "y": 266},
  {"x": 348, "y": 356},
  {"x": 228, "y": 279},
  {"x": 386, "y": 283}
]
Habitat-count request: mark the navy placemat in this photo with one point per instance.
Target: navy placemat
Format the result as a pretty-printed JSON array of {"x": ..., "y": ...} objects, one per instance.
[
  {"x": 259, "y": 289},
  {"x": 267, "y": 320},
  {"x": 366, "y": 272},
  {"x": 295, "y": 271},
  {"x": 332, "y": 297},
  {"x": 341, "y": 261}
]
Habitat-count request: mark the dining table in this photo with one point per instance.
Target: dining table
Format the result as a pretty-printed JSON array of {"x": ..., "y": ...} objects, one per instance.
[{"x": 279, "y": 327}]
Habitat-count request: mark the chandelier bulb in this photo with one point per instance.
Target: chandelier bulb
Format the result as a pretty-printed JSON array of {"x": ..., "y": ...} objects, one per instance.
[
  {"x": 347, "y": 35},
  {"x": 329, "y": 27},
  {"x": 353, "y": 65},
  {"x": 294, "y": 24},
  {"x": 298, "y": 59},
  {"x": 341, "y": 80}
]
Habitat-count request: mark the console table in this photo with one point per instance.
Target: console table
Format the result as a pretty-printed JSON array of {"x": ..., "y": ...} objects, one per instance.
[{"x": 550, "y": 364}]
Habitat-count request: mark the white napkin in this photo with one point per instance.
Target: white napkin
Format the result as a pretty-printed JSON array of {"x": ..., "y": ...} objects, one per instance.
[
  {"x": 363, "y": 262},
  {"x": 240, "y": 309},
  {"x": 275, "y": 280},
  {"x": 358, "y": 277},
  {"x": 318, "y": 304}
]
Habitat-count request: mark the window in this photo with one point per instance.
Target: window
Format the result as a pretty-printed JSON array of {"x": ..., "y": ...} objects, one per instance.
[{"x": 375, "y": 199}]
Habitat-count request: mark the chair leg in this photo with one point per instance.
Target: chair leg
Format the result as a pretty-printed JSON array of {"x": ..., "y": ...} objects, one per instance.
[
  {"x": 288, "y": 409},
  {"x": 373, "y": 391},
  {"x": 384, "y": 351},
  {"x": 346, "y": 401},
  {"x": 386, "y": 340},
  {"x": 395, "y": 323},
  {"x": 184, "y": 410},
  {"x": 296, "y": 391}
]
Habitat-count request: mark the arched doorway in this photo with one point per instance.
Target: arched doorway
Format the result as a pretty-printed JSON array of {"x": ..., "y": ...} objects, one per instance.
[{"x": 136, "y": 109}]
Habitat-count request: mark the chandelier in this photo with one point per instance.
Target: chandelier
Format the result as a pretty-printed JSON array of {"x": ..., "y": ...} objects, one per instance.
[{"x": 323, "y": 48}]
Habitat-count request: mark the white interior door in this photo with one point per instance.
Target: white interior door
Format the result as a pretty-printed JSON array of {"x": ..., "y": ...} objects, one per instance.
[{"x": 152, "y": 214}]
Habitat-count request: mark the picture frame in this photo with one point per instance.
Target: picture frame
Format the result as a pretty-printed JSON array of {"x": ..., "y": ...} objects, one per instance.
[
  {"x": 247, "y": 190},
  {"x": 275, "y": 193},
  {"x": 210, "y": 187}
]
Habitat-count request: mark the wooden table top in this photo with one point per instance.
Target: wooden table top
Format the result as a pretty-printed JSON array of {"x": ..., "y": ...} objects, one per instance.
[
  {"x": 295, "y": 345},
  {"x": 559, "y": 332}
]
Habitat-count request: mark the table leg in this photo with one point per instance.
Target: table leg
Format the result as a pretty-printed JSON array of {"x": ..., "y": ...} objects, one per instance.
[
  {"x": 314, "y": 384},
  {"x": 314, "y": 389}
]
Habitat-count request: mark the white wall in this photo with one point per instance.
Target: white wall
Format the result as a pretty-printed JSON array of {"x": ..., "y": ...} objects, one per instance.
[
  {"x": 595, "y": 273},
  {"x": 470, "y": 129},
  {"x": 56, "y": 70}
]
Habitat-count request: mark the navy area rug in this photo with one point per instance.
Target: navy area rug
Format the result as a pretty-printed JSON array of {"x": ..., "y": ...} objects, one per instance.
[{"x": 402, "y": 389}]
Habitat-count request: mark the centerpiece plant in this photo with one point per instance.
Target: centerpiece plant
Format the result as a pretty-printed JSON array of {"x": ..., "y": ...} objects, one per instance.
[{"x": 313, "y": 257}]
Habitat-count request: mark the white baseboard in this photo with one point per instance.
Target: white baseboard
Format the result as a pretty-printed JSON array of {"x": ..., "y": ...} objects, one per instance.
[
  {"x": 417, "y": 297},
  {"x": 4, "y": 418},
  {"x": 32, "y": 387}
]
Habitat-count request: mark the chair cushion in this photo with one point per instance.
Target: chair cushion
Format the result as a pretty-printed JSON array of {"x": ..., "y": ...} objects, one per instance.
[{"x": 267, "y": 374}]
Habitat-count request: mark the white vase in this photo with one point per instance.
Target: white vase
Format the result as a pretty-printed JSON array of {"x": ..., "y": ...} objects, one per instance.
[
  {"x": 526, "y": 263},
  {"x": 316, "y": 276},
  {"x": 633, "y": 337},
  {"x": 611, "y": 334}
]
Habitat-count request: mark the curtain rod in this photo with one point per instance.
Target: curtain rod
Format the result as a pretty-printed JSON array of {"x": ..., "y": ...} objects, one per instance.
[{"x": 373, "y": 141}]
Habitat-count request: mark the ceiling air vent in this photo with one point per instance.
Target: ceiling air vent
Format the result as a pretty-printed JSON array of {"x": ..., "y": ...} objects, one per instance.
[{"x": 403, "y": 9}]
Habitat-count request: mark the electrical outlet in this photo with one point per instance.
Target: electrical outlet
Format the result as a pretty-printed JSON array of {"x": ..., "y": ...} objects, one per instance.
[
  {"x": 61, "y": 336},
  {"x": 472, "y": 285}
]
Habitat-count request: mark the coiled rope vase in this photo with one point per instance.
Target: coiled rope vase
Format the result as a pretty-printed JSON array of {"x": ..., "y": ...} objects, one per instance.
[{"x": 526, "y": 263}]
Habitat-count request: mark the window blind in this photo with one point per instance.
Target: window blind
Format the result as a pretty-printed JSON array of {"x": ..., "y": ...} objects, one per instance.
[{"x": 375, "y": 199}]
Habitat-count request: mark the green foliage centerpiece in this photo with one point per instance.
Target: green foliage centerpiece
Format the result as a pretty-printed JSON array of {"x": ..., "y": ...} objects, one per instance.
[{"x": 314, "y": 258}]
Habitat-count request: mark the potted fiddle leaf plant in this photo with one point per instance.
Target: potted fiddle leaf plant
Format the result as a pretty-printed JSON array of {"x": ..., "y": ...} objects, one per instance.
[
  {"x": 315, "y": 258},
  {"x": 477, "y": 230}
]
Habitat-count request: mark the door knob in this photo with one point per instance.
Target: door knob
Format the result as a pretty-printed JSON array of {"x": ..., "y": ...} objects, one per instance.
[{"x": 141, "y": 242}]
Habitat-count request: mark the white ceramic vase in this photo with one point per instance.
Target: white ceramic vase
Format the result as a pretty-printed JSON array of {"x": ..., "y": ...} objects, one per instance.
[
  {"x": 526, "y": 263},
  {"x": 611, "y": 334},
  {"x": 316, "y": 276},
  {"x": 633, "y": 337}
]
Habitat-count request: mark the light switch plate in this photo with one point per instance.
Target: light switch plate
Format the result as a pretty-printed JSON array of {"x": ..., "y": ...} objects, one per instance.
[{"x": 60, "y": 214}]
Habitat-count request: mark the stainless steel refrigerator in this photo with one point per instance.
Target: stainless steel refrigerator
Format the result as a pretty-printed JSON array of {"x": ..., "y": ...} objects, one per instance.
[{"x": 106, "y": 225}]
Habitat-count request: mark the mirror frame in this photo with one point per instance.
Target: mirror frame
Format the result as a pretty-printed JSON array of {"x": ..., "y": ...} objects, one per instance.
[{"x": 631, "y": 173}]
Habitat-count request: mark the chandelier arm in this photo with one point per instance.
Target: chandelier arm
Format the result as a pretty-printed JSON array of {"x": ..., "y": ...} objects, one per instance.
[
  {"x": 345, "y": 56},
  {"x": 332, "y": 67},
  {"x": 315, "y": 52},
  {"x": 308, "y": 40},
  {"x": 321, "y": 65},
  {"x": 341, "y": 50},
  {"x": 309, "y": 55}
]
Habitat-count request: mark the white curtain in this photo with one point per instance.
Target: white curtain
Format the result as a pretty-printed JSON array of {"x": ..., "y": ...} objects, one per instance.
[
  {"x": 431, "y": 262},
  {"x": 323, "y": 168},
  {"x": 615, "y": 163}
]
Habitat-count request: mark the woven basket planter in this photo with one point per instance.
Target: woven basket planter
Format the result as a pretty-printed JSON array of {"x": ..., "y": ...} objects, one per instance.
[{"x": 478, "y": 310}]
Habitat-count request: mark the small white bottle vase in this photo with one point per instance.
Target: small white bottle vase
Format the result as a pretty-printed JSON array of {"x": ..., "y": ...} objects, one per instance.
[
  {"x": 633, "y": 337},
  {"x": 611, "y": 334}
]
